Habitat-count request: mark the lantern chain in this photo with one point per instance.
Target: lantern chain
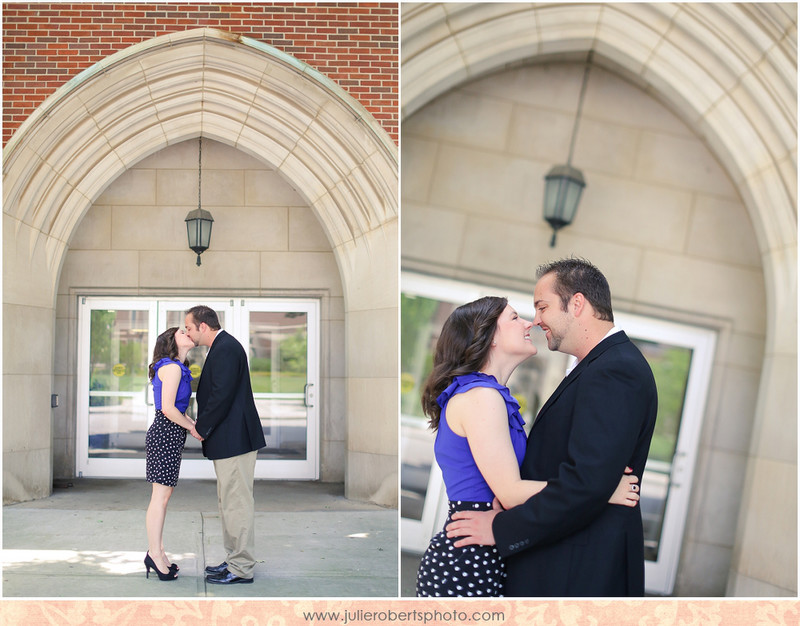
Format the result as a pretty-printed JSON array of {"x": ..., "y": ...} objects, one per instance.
[{"x": 199, "y": 171}]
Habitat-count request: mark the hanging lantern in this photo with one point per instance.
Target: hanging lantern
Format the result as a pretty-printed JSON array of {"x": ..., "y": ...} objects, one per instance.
[
  {"x": 199, "y": 221},
  {"x": 564, "y": 184},
  {"x": 198, "y": 229}
]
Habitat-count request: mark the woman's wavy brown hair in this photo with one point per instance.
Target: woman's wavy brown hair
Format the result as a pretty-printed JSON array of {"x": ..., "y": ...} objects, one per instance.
[
  {"x": 166, "y": 348},
  {"x": 463, "y": 347}
]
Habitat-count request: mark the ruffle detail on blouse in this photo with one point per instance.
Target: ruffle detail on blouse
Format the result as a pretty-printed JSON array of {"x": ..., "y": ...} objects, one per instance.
[
  {"x": 466, "y": 382},
  {"x": 186, "y": 374}
]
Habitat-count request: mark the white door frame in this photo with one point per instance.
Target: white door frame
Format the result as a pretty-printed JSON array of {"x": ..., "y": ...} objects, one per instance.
[{"x": 415, "y": 534}]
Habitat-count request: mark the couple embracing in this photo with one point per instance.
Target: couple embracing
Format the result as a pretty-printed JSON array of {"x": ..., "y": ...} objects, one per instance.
[
  {"x": 554, "y": 513},
  {"x": 229, "y": 427}
]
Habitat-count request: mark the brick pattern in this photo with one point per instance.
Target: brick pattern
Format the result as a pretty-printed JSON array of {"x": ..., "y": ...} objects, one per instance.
[{"x": 354, "y": 44}]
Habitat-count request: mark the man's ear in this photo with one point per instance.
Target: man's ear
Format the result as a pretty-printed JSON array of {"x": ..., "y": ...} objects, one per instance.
[
  {"x": 578, "y": 303},
  {"x": 581, "y": 306}
]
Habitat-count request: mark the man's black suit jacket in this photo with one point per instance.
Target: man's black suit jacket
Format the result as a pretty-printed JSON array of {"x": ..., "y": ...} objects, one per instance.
[
  {"x": 567, "y": 540},
  {"x": 227, "y": 418}
]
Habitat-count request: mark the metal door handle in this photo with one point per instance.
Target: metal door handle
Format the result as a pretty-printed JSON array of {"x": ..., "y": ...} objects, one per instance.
[
  {"x": 308, "y": 395},
  {"x": 675, "y": 458}
]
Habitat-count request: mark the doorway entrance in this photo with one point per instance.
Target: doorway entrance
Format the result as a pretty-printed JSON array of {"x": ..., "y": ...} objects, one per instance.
[{"x": 115, "y": 407}]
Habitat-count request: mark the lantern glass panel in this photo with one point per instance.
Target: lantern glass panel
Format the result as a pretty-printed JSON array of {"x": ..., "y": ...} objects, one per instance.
[
  {"x": 573, "y": 197},
  {"x": 204, "y": 226},
  {"x": 191, "y": 233}
]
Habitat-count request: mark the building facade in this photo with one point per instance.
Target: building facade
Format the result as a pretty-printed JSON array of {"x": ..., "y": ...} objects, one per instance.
[
  {"x": 284, "y": 117},
  {"x": 688, "y": 143}
]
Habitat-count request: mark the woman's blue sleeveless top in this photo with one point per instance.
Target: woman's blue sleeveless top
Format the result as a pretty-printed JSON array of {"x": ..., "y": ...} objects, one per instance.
[
  {"x": 461, "y": 475},
  {"x": 184, "y": 387}
]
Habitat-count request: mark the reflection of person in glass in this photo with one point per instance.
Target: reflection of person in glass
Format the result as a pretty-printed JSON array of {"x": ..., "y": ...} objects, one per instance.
[
  {"x": 480, "y": 440},
  {"x": 172, "y": 388},
  {"x": 228, "y": 421},
  {"x": 566, "y": 541}
]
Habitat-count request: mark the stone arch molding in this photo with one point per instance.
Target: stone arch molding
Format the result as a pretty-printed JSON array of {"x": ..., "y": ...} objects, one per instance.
[
  {"x": 172, "y": 88},
  {"x": 256, "y": 99}
]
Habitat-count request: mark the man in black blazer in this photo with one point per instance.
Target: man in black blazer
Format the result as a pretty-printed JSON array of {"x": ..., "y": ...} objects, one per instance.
[
  {"x": 228, "y": 422},
  {"x": 567, "y": 540}
]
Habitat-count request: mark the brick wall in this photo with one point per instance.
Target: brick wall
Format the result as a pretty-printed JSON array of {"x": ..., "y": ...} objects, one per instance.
[{"x": 354, "y": 44}]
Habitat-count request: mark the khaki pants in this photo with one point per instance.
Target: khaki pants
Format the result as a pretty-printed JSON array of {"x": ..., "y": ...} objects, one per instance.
[{"x": 237, "y": 509}]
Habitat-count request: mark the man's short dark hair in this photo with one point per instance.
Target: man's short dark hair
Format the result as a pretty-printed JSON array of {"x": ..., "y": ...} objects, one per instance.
[
  {"x": 575, "y": 275},
  {"x": 202, "y": 314}
]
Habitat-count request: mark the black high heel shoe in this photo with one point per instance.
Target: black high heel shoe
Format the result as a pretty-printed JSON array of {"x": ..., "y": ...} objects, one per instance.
[{"x": 148, "y": 563}]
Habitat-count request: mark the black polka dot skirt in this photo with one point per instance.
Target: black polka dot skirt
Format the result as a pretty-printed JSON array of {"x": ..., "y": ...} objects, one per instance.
[
  {"x": 163, "y": 447},
  {"x": 471, "y": 571}
]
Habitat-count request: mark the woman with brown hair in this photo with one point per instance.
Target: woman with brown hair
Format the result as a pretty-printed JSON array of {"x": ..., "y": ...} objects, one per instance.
[{"x": 171, "y": 378}]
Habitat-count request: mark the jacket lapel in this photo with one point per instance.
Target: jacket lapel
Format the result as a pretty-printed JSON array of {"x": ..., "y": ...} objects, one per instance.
[
  {"x": 220, "y": 336},
  {"x": 600, "y": 348}
]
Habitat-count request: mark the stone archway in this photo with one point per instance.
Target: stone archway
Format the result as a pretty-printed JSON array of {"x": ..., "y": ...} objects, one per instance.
[
  {"x": 729, "y": 72},
  {"x": 252, "y": 97}
]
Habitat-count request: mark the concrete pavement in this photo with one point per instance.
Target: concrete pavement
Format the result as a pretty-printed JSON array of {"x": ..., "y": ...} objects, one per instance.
[{"x": 88, "y": 540}]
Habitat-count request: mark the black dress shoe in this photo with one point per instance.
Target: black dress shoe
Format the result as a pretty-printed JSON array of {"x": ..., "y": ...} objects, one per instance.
[
  {"x": 226, "y": 578},
  {"x": 216, "y": 569}
]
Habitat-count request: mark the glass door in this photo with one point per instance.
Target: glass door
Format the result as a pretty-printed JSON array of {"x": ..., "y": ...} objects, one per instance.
[
  {"x": 283, "y": 342},
  {"x": 681, "y": 358},
  {"x": 115, "y": 399},
  {"x": 114, "y": 355}
]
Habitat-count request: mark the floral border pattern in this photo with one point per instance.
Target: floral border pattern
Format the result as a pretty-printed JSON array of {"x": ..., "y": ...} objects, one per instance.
[{"x": 645, "y": 612}]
